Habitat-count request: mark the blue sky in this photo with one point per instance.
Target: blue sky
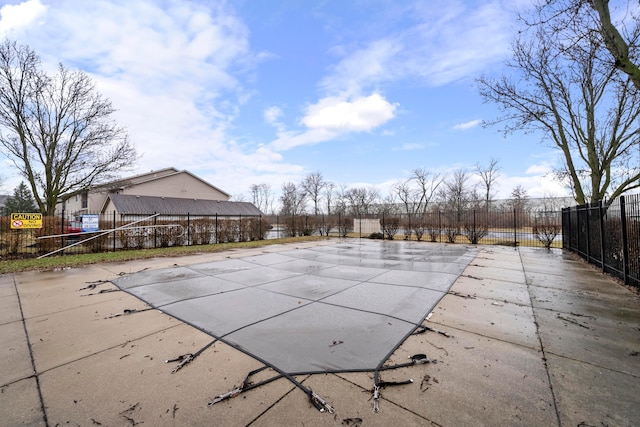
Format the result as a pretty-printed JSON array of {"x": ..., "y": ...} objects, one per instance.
[{"x": 250, "y": 92}]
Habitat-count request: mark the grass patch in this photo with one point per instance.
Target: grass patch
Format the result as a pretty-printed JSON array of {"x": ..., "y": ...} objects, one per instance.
[{"x": 62, "y": 261}]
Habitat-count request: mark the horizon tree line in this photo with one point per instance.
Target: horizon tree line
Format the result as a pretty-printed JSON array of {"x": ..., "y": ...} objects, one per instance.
[{"x": 423, "y": 191}]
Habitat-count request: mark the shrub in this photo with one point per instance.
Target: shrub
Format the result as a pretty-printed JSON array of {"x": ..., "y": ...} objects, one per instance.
[
  {"x": 228, "y": 231},
  {"x": 390, "y": 227},
  {"x": 324, "y": 225},
  {"x": 433, "y": 232},
  {"x": 307, "y": 225},
  {"x": 345, "y": 226},
  {"x": 475, "y": 232},
  {"x": 419, "y": 228},
  {"x": 451, "y": 231},
  {"x": 258, "y": 228},
  {"x": 546, "y": 232},
  {"x": 202, "y": 231}
]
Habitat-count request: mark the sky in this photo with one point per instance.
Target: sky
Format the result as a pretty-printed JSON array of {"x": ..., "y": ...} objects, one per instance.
[{"x": 267, "y": 92}]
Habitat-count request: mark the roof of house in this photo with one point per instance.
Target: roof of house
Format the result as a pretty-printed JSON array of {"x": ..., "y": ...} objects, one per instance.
[
  {"x": 130, "y": 204},
  {"x": 152, "y": 176}
]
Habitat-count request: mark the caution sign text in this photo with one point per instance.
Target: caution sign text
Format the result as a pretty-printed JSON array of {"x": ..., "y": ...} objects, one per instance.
[{"x": 26, "y": 220}]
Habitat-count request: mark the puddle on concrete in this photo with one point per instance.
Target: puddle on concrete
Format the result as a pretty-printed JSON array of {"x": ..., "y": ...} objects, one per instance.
[{"x": 333, "y": 308}]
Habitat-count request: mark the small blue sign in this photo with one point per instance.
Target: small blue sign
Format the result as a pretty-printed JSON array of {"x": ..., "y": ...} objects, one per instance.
[{"x": 90, "y": 222}]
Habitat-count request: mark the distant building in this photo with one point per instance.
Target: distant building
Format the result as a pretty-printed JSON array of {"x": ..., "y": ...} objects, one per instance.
[
  {"x": 128, "y": 207},
  {"x": 168, "y": 182},
  {"x": 168, "y": 191}
]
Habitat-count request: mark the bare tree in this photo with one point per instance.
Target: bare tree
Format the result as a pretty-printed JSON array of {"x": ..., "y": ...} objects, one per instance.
[
  {"x": 580, "y": 104},
  {"x": 569, "y": 21},
  {"x": 405, "y": 194},
  {"x": 428, "y": 184},
  {"x": 456, "y": 194},
  {"x": 388, "y": 206},
  {"x": 519, "y": 199},
  {"x": 329, "y": 192},
  {"x": 489, "y": 175},
  {"x": 262, "y": 197},
  {"x": 361, "y": 200},
  {"x": 57, "y": 130},
  {"x": 313, "y": 185},
  {"x": 416, "y": 192},
  {"x": 618, "y": 46},
  {"x": 292, "y": 199},
  {"x": 342, "y": 201}
]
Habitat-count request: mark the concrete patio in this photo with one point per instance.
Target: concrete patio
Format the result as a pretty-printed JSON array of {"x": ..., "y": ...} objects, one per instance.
[{"x": 536, "y": 338}]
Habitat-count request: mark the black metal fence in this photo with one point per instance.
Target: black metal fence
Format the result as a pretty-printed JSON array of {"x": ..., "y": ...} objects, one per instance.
[
  {"x": 59, "y": 235},
  {"x": 606, "y": 236},
  {"x": 477, "y": 226}
]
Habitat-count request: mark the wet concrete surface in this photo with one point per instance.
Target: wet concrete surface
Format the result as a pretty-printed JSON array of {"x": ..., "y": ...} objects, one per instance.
[{"x": 533, "y": 337}]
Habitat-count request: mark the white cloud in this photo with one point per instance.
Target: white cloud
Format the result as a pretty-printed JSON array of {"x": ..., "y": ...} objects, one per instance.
[
  {"x": 467, "y": 125},
  {"x": 540, "y": 169},
  {"x": 362, "y": 67},
  {"x": 332, "y": 117},
  {"x": 459, "y": 41},
  {"x": 537, "y": 186},
  {"x": 17, "y": 17},
  {"x": 272, "y": 115},
  {"x": 361, "y": 114},
  {"x": 172, "y": 70},
  {"x": 409, "y": 147}
]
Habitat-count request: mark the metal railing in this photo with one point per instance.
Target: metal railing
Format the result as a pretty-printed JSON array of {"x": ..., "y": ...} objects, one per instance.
[
  {"x": 125, "y": 232},
  {"x": 607, "y": 236},
  {"x": 476, "y": 226}
]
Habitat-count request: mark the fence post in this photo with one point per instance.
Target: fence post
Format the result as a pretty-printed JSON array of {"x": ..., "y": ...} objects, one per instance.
[
  {"x": 240, "y": 234},
  {"x": 625, "y": 241},
  {"x": 602, "y": 238},
  {"x": 155, "y": 231},
  {"x": 578, "y": 230},
  {"x": 62, "y": 227},
  {"x": 114, "y": 233},
  {"x": 216, "y": 228},
  {"x": 515, "y": 226},
  {"x": 566, "y": 231},
  {"x": 439, "y": 226},
  {"x": 188, "y": 230},
  {"x": 589, "y": 232},
  {"x": 475, "y": 241},
  {"x": 360, "y": 224}
]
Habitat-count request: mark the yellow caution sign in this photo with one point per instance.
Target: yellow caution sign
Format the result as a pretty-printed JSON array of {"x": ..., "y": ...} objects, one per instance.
[{"x": 26, "y": 220}]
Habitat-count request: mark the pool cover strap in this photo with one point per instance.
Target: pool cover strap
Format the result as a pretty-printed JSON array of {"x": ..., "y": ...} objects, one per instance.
[
  {"x": 185, "y": 359},
  {"x": 247, "y": 385},
  {"x": 378, "y": 384}
]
